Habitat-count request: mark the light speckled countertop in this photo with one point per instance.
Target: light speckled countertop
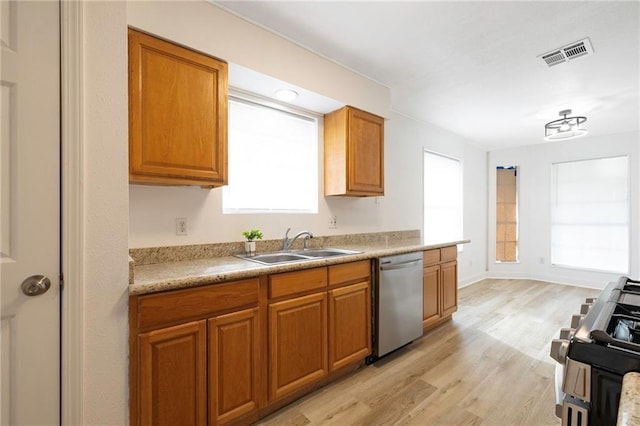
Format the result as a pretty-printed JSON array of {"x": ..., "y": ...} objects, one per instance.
[
  {"x": 163, "y": 276},
  {"x": 629, "y": 408}
]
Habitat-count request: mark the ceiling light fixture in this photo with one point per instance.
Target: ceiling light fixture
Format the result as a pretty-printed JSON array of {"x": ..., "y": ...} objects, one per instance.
[
  {"x": 564, "y": 128},
  {"x": 286, "y": 95}
]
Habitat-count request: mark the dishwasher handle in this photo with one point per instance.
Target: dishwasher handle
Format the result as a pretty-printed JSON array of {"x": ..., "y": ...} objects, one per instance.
[{"x": 389, "y": 266}]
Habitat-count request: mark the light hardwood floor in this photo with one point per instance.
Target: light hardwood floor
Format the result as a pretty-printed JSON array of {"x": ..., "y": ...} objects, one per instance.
[{"x": 490, "y": 365}]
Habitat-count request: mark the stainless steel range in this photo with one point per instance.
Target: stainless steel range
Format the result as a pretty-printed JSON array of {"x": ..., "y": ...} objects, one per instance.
[{"x": 602, "y": 345}]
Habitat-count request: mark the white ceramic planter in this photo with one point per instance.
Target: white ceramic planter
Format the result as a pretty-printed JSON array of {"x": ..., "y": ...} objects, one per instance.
[{"x": 250, "y": 248}]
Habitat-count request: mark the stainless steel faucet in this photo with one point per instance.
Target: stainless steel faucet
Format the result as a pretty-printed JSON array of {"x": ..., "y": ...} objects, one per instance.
[{"x": 286, "y": 243}]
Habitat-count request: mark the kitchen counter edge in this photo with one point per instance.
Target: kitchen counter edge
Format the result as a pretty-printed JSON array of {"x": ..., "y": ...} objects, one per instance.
[
  {"x": 629, "y": 407},
  {"x": 194, "y": 273}
]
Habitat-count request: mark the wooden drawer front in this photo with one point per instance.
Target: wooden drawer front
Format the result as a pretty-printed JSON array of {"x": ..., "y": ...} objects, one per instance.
[
  {"x": 297, "y": 282},
  {"x": 448, "y": 254},
  {"x": 164, "y": 308},
  {"x": 431, "y": 257},
  {"x": 347, "y": 272}
]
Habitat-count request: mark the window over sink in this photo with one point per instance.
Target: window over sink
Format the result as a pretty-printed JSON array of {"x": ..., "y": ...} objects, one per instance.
[{"x": 273, "y": 159}]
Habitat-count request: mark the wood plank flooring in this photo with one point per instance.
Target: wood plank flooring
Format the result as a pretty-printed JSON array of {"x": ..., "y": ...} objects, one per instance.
[{"x": 490, "y": 365}]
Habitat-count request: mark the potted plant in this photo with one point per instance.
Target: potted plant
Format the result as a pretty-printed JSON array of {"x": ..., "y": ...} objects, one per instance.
[{"x": 250, "y": 244}]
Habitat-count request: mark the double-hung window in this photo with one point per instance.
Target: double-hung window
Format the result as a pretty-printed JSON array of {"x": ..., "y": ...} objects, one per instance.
[
  {"x": 590, "y": 214},
  {"x": 273, "y": 160}
]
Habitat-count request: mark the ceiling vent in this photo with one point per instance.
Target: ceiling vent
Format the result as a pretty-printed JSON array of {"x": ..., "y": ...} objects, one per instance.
[{"x": 568, "y": 52}]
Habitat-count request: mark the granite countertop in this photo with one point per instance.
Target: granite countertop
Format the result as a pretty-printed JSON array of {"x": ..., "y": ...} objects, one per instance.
[
  {"x": 150, "y": 278},
  {"x": 629, "y": 407}
]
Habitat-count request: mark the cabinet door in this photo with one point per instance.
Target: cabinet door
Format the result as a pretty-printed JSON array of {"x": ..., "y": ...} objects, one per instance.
[
  {"x": 177, "y": 114},
  {"x": 233, "y": 365},
  {"x": 349, "y": 324},
  {"x": 430, "y": 295},
  {"x": 365, "y": 153},
  {"x": 449, "y": 287},
  {"x": 298, "y": 343},
  {"x": 173, "y": 371}
]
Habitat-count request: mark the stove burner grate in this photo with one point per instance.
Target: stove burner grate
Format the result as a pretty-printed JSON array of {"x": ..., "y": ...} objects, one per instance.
[
  {"x": 627, "y": 331},
  {"x": 624, "y": 325}
]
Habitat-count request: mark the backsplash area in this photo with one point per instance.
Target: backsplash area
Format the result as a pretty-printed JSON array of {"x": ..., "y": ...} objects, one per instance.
[{"x": 152, "y": 255}]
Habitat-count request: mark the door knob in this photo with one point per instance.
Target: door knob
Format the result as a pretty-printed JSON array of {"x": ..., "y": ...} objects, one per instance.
[{"x": 35, "y": 285}]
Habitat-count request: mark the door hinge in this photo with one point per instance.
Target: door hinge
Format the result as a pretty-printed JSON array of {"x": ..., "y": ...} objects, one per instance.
[{"x": 61, "y": 278}]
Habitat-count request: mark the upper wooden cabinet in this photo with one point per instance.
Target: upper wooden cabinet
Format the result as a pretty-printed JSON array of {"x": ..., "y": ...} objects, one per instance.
[
  {"x": 177, "y": 114},
  {"x": 353, "y": 153}
]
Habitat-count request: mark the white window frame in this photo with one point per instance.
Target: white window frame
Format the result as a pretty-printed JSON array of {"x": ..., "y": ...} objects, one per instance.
[
  {"x": 460, "y": 210},
  {"x": 628, "y": 217},
  {"x": 255, "y": 100}
]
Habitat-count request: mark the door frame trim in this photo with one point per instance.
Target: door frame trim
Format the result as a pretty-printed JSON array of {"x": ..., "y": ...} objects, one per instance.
[{"x": 72, "y": 124}]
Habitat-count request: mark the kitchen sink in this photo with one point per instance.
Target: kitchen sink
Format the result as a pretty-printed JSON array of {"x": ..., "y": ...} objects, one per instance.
[
  {"x": 280, "y": 257},
  {"x": 325, "y": 252},
  {"x": 271, "y": 258}
]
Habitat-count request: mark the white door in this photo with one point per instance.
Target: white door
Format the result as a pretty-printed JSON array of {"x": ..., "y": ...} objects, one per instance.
[{"x": 30, "y": 213}]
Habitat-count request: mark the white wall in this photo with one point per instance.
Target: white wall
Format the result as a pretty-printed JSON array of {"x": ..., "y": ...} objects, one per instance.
[
  {"x": 153, "y": 209},
  {"x": 202, "y": 26},
  {"x": 207, "y": 28},
  {"x": 105, "y": 380},
  {"x": 534, "y": 164},
  {"x": 406, "y": 140}
]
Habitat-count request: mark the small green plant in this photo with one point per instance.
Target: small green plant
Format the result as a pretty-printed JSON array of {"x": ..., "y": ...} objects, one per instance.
[{"x": 254, "y": 234}]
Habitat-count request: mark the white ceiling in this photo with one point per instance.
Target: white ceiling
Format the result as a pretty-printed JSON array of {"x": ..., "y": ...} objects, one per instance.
[{"x": 473, "y": 67}]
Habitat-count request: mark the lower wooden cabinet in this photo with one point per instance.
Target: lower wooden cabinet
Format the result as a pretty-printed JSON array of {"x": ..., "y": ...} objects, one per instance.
[
  {"x": 449, "y": 279},
  {"x": 173, "y": 366},
  {"x": 203, "y": 371},
  {"x": 175, "y": 363},
  {"x": 349, "y": 324},
  {"x": 234, "y": 367},
  {"x": 440, "y": 285},
  {"x": 430, "y": 295},
  {"x": 233, "y": 352},
  {"x": 314, "y": 335},
  {"x": 298, "y": 343}
]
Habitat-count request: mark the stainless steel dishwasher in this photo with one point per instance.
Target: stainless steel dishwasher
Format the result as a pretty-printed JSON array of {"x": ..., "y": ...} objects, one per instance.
[{"x": 397, "y": 300}]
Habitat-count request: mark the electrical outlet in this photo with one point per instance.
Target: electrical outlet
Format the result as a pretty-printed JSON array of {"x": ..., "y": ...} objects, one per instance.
[
  {"x": 181, "y": 226},
  {"x": 333, "y": 222},
  {"x": 541, "y": 260}
]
